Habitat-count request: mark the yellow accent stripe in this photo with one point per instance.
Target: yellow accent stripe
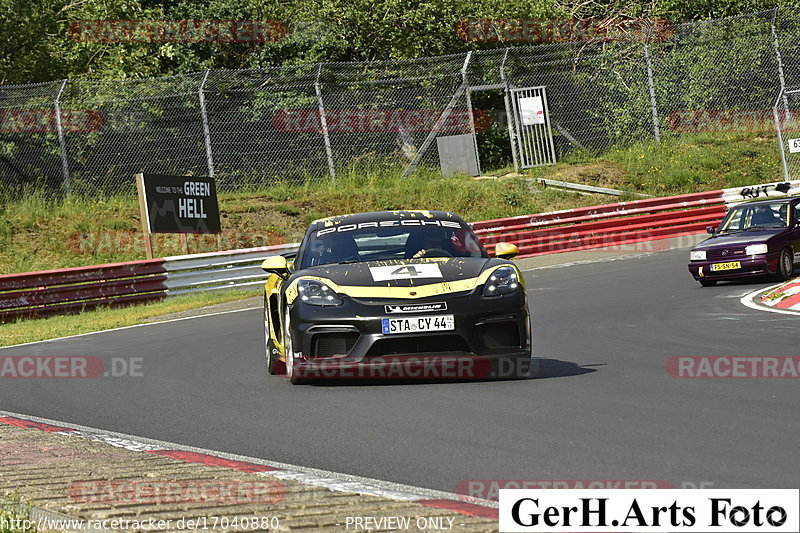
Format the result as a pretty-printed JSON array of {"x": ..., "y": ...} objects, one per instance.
[
  {"x": 271, "y": 287},
  {"x": 420, "y": 291}
]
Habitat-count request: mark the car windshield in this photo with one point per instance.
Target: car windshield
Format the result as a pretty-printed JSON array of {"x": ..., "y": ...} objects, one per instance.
[
  {"x": 759, "y": 216},
  {"x": 371, "y": 242}
]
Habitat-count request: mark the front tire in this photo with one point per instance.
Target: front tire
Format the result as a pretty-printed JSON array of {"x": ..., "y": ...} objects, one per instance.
[
  {"x": 274, "y": 365},
  {"x": 288, "y": 349},
  {"x": 707, "y": 282},
  {"x": 785, "y": 265}
]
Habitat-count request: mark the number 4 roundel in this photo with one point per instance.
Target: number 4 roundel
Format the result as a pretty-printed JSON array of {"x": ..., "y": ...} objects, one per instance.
[{"x": 414, "y": 271}]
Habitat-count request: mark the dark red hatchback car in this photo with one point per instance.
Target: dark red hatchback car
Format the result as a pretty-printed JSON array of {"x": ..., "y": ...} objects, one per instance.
[{"x": 754, "y": 239}]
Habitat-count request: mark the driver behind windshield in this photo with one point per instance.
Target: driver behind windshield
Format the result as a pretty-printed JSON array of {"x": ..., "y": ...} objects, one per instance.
[
  {"x": 429, "y": 243},
  {"x": 756, "y": 217},
  {"x": 334, "y": 249},
  {"x": 765, "y": 216}
]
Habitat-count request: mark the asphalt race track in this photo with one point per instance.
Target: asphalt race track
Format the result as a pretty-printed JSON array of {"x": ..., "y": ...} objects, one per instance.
[{"x": 602, "y": 405}]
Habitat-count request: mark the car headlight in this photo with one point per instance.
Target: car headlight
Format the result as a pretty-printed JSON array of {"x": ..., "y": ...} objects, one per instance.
[
  {"x": 502, "y": 281},
  {"x": 756, "y": 249},
  {"x": 315, "y": 292},
  {"x": 697, "y": 255}
]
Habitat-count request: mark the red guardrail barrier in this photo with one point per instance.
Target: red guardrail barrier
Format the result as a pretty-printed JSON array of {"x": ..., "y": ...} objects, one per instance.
[
  {"x": 69, "y": 290},
  {"x": 595, "y": 211},
  {"x": 605, "y": 225}
]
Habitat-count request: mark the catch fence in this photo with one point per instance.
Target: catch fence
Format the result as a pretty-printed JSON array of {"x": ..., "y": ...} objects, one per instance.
[{"x": 254, "y": 128}]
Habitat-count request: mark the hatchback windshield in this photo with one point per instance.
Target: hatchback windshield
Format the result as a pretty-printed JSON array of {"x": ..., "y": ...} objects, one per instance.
[
  {"x": 385, "y": 243},
  {"x": 760, "y": 216}
]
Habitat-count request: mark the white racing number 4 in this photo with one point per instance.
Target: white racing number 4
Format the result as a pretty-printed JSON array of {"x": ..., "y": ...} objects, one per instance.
[{"x": 417, "y": 271}]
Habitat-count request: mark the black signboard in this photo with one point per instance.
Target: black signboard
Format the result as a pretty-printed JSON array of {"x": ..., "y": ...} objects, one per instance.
[{"x": 179, "y": 204}]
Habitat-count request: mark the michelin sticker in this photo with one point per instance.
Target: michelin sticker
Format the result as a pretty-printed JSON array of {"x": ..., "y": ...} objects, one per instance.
[{"x": 416, "y": 271}]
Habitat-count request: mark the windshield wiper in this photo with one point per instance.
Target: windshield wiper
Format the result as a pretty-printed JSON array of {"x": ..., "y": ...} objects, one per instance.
[{"x": 763, "y": 227}]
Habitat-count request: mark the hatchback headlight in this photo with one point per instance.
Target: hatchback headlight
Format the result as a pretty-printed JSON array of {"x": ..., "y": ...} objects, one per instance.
[
  {"x": 697, "y": 255},
  {"x": 311, "y": 291},
  {"x": 756, "y": 249},
  {"x": 504, "y": 280}
]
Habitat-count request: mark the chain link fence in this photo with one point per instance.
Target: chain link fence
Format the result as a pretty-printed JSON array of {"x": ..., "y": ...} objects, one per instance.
[
  {"x": 787, "y": 121},
  {"x": 254, "y": 128}
]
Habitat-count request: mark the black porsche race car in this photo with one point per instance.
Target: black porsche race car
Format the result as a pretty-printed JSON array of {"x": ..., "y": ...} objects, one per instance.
[{"x": 395, "y": 294}]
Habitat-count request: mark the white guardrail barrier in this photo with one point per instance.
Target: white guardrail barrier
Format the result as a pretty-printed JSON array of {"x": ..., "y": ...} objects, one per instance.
[
  {"x": 240, "y": 269},
  {"x": 760, "y": 192}
]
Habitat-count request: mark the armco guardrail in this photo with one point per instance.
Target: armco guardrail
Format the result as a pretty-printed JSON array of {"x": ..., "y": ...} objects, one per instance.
[
  {"x": 605, "y": 225},
  {"x": 220, "y": 270},
  {"x": 69, "y": 290},
  {"x": 73, "y": 289},
  {"x": 761, "y": 192}
]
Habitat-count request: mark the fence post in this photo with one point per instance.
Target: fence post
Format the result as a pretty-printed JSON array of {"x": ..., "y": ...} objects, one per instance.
[
  {"x": 651, "y": 86},
  {"x": 778, "y": 128},
  {"x": 438, "y": 124},
  {"x": 61, "y": 142},
  {"x": 206, "y": 131},
  {"x": 323, "y": 120},
  {"x": 780, "y": 61},
  {"x": 465, "y": 81},
  {"x": 512, "y": 135}
]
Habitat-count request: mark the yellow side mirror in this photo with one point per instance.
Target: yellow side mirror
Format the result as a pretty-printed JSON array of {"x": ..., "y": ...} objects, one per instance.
[
  {"x": 275, "y": 264},
  {"x": 505, "y": 250}
]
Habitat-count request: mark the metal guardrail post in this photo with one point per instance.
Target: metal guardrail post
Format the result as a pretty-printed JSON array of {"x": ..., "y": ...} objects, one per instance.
[
  {"x": 512, "y": 135},
  {"x": 61, "y": 141},
  {"x": 206, "y": 131},
  {"x": 651, "y": 86},
  {"x": 438, "y": 124},
  {"x": 323, "y": 119}
]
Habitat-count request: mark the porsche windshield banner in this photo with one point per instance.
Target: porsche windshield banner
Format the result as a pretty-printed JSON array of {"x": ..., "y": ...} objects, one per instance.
[
  {"x": 414, "y": 222},
  {"x": 650, "y": 511}
]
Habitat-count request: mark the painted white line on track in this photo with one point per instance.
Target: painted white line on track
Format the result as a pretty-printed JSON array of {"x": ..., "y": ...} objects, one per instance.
[
  {"x": 129, "y": 327},
  {"x": 316, "y": 477},
  {"x": 342, "y": 486},
  {"x": 590, "y": 261}
]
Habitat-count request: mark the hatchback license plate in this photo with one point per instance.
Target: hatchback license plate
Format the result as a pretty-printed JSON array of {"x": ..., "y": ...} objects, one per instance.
[
  {"x": 415, "y": 324},
  {"x": 733, "y": 265}
]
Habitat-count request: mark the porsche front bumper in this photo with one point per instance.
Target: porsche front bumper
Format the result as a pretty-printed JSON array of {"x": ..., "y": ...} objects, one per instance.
[{"x": 350, "y": 336}]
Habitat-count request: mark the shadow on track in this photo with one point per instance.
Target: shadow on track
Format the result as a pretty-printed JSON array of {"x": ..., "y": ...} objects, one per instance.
[
  {"x": 554, "y": 368},
  {"x": 540, "y": 368}
]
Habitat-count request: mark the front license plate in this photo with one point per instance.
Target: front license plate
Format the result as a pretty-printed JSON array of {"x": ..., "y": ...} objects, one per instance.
[
  {"x": 415, "y": 324},
  {"x": 733, "y": 265}
]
